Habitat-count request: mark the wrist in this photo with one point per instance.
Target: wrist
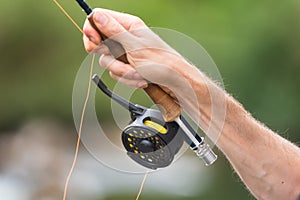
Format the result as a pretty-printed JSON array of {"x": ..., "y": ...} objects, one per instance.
[
  {"x": 201, "y": 98},
  {"x": 195, "y": 81}
]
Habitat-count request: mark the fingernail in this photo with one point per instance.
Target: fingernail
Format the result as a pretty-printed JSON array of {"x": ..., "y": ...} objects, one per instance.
[
  {"x": 142, "y": 84},
  {"x": 101, "y": 19}
]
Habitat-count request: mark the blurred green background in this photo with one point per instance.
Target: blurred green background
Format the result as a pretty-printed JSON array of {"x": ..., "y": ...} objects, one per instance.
[{"x": 255, "y": 45}]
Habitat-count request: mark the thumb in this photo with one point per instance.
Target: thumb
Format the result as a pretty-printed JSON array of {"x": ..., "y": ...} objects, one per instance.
[{"x": 108, "y": 25}]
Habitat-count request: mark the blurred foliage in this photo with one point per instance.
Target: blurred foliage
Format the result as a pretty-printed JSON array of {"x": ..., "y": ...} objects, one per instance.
[{"x": 254, "y": 43}]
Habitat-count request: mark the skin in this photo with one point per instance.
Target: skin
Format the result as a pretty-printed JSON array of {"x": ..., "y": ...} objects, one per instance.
[{"x": 267, "y": 163}]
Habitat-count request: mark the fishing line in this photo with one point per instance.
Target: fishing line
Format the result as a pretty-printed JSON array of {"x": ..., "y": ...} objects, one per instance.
[
  {"x": 83, "y": 114},
  {"x": 68, "y": 16},
  {"x": 84, "y": 106},
  {"x": 142, "y": 186},
  {"x": 80, "y": 129}
]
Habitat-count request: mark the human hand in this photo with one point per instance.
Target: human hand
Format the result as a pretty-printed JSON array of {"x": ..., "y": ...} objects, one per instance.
[{"x": 142, "y": 46}]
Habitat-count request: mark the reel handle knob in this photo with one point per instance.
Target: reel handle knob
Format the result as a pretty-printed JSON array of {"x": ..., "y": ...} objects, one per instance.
[{"x": 170, "y": 109}]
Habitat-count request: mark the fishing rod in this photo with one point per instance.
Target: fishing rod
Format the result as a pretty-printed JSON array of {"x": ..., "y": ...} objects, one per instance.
[{"x": 153, "y": 137}]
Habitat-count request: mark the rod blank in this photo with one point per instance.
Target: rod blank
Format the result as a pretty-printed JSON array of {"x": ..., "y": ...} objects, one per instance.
[{"x": 87, "y": 9}]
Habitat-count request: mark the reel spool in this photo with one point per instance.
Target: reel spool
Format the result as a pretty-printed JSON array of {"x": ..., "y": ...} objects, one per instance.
[{"x": 150, "y": 141}]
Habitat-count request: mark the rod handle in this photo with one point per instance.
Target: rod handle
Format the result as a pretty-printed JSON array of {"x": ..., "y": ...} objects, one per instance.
[{"x": 169, "y": 108}]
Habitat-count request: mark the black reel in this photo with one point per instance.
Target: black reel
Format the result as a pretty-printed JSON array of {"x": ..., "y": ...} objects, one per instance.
[{"x": 148, "y": 139}]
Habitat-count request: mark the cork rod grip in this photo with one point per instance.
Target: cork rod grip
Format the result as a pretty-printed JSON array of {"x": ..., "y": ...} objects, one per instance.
[{"x": 169, "y": 108}]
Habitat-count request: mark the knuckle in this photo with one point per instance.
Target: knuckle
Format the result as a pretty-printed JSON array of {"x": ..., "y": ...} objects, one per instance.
[
  {"x": 136, "y": 19},
  {"x": 114, "y": 29},
  {"x": 138, "y": 22}
]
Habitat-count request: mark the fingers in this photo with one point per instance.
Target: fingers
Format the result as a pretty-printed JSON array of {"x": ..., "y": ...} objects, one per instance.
[
  {"x": 130, "y": 82},
  {"x": 91, "y": 33},
  {"x": 92, "y": 47},
  {"x": 122, "y": 72},
  {"x": 107, "y": 24},
  {"x": 111, "y": 24}
]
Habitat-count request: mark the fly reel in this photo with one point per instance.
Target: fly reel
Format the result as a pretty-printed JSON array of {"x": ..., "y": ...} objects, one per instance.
[{"x": 150, "y": 141}]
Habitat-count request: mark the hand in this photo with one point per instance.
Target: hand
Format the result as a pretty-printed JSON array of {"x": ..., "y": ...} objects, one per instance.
[
  {"x": 143, "y": 48},
  {"x": 150, "y": 59}
]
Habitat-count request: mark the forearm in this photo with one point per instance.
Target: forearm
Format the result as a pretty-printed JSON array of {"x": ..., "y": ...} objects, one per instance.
[{"x": 267, "y": 163}]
